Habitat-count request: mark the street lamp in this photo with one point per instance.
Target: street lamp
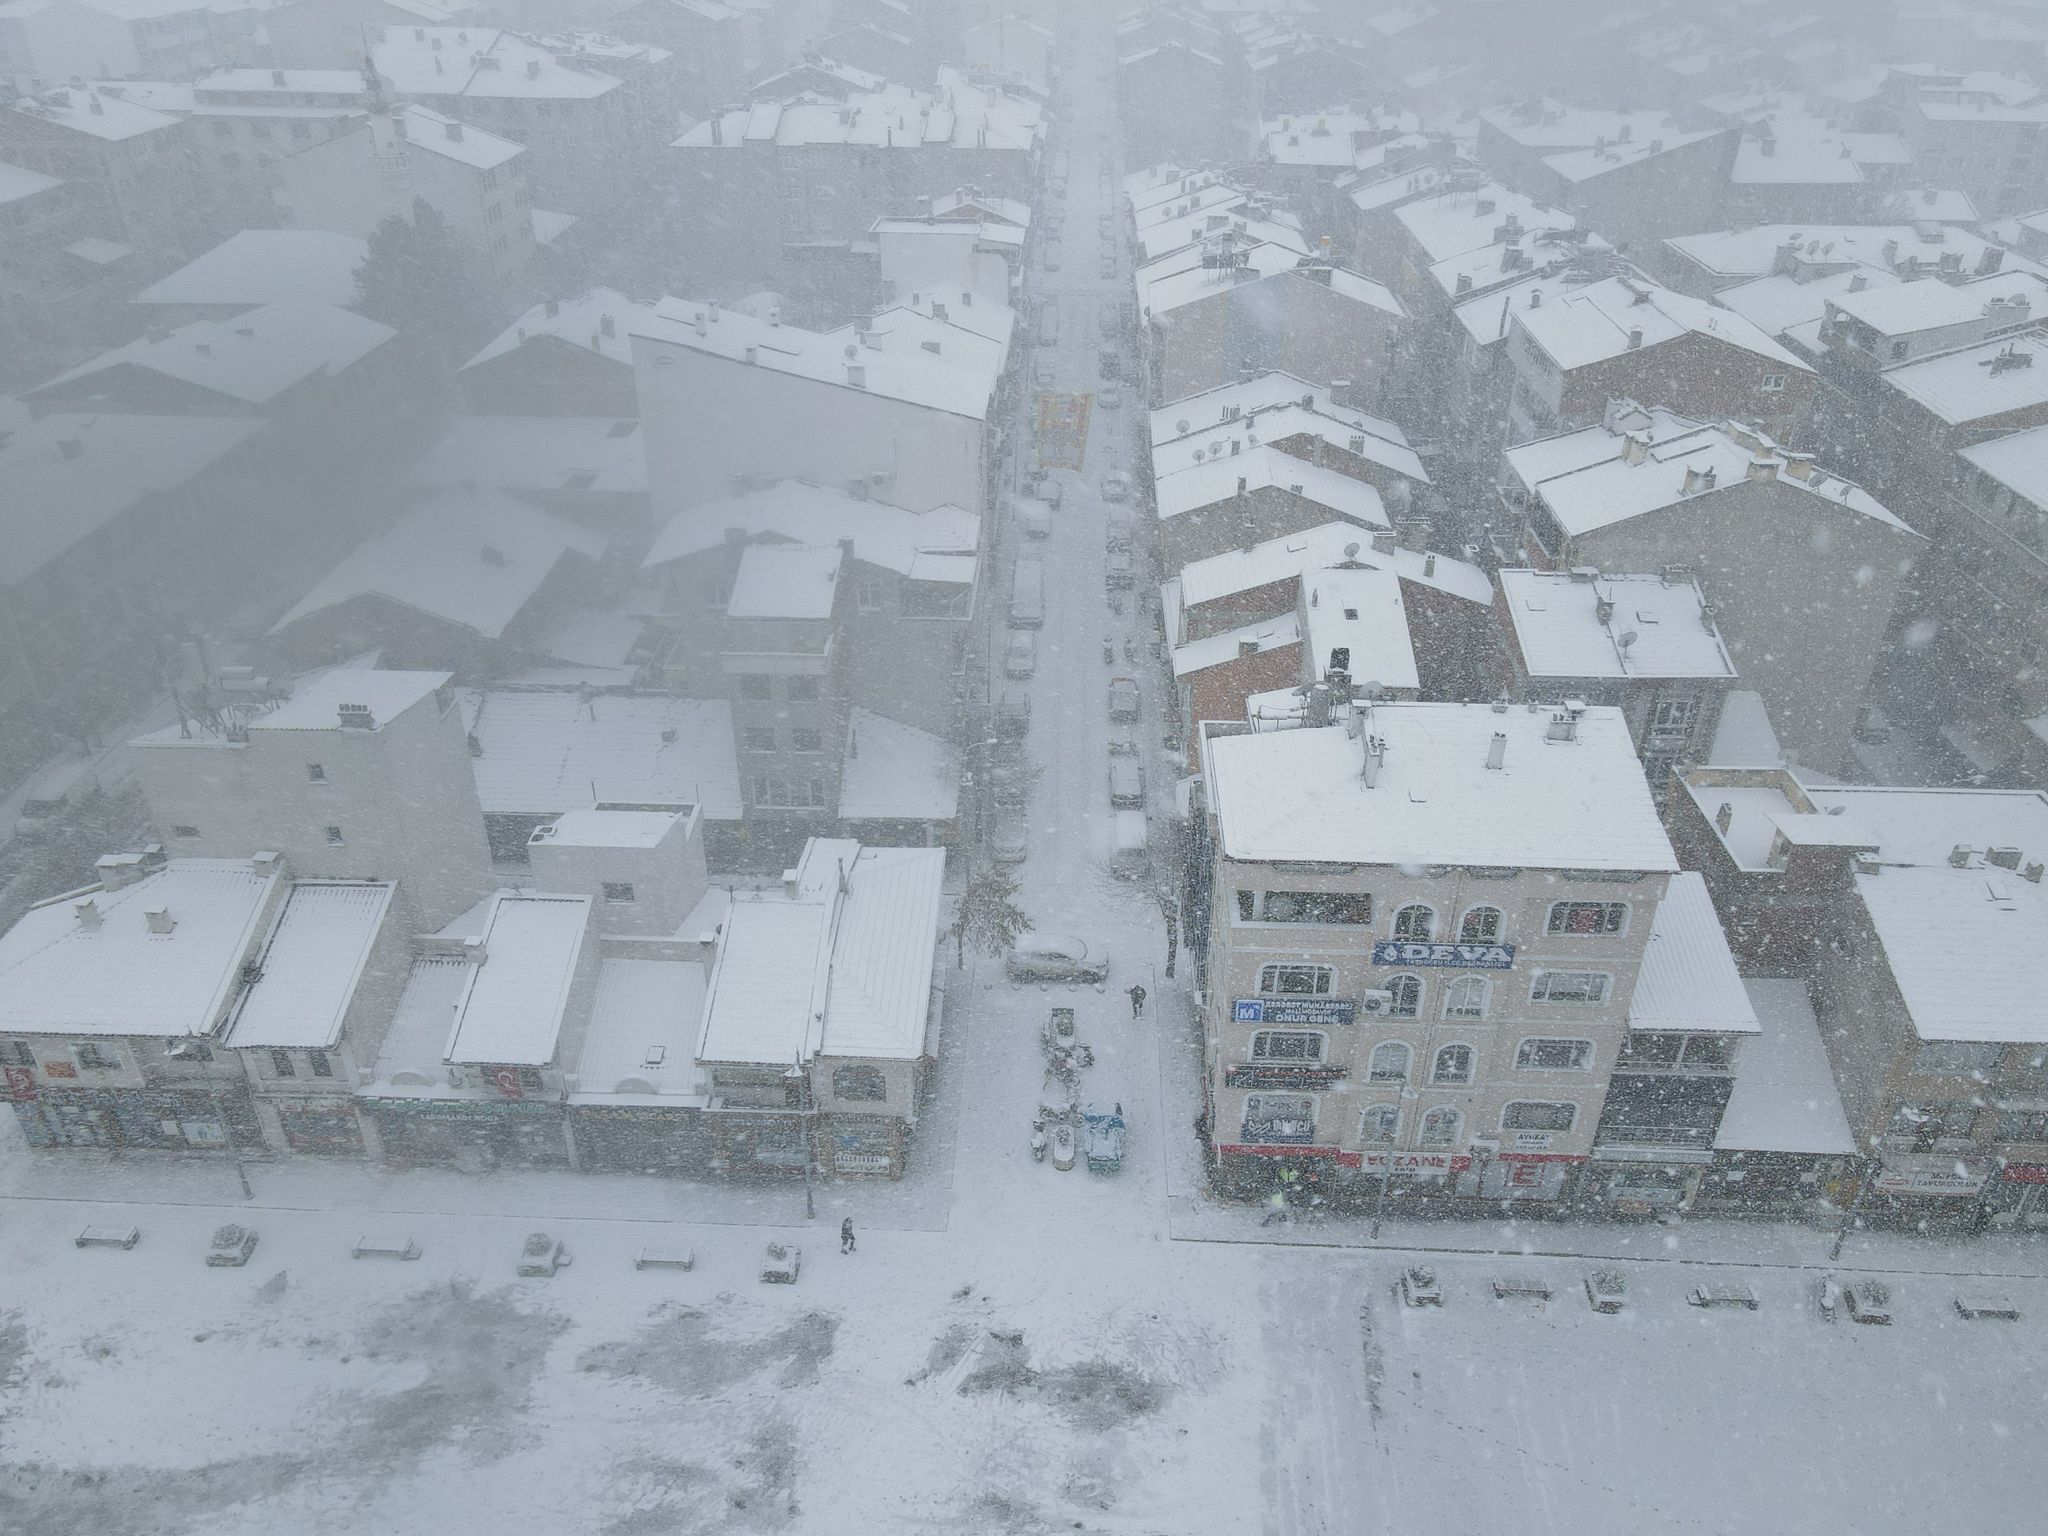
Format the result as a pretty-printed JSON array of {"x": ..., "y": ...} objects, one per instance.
[{"x": 807, "y": 1117}]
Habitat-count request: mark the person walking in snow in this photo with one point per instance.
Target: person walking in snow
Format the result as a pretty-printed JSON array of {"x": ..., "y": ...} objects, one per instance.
[
  {"x": 846, "y": 1235},
  {"x": 1137, "y": 1001}
]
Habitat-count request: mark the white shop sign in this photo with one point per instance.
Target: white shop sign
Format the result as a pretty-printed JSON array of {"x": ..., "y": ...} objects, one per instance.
[
  {"x": 1531, "y": 1141},
  {"x": 1930, "y": 1176}
]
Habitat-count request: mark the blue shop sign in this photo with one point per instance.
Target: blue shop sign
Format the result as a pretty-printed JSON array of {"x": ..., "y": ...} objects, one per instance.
[
  {"x": 1463, "y": 957},
  {"x": 1294, "y": 1010}
]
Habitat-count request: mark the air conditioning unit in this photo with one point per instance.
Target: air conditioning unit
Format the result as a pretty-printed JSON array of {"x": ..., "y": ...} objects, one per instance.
[{"x": 1376, "y": 1004}]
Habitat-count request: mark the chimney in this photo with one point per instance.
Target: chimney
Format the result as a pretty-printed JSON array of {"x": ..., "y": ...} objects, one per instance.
[
  {"x": 1375, "y": 759},
  {"x": 533, "y": 69},
  {"x": 1890, "y": 253},
  {"x": 1497, "y": 751},
  {"x": 454, "y": 130},
  {"x": 607, "y": 326},
  {"x": 1464, "y": 282},
  {"x": 789, "y": 883},
  {"x": 1634, "y": 449},
  {"x": 1762, "y": 470},
  {"x": 2003, "y": 858},
  {"x": 1635, "y": 338},
  {"x": 1859, "y": 282},
  {"x": 159, "y": 919},
  {"x": 1724, "y": 818},
  {"x": 88, "y": 914},
  {"x": 1247, "y": 648},
  {"x": 857, "y": 375},
  {"x": 277, "y": 77}
]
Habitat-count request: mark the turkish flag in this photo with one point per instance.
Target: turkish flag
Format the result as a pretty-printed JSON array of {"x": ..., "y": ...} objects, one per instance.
[
  {"x": 21, "y": 1084},
  {"x": 507, "y": 1081}
]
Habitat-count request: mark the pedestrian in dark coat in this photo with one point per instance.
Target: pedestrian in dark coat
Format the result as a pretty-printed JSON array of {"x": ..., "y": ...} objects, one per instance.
[
  {"x": 1137, "y": 1001},
  {"x": 846, "y": 1235}
]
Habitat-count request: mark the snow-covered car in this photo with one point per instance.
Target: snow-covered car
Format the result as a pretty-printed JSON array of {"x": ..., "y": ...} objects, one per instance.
[
  {"x": 1013, "y": 713},
  {"x": 1110, "y": 397},
  {"x": 1010, "y": 845},
  {"x": 1107, "y": 321},
  {"x": 1051, "y": 263},
  {"x": 1126, "y": 784},
  {"x": 1119, "y": 532},
  {"x": 1123, "y": 698},
  {"x": 1119, "y": 571},
  {"x": 1116, "y": 486},
  {"x": 1009, "y": 788},
  {"x": 231, "y": 1247},
  {"x": 1020, "y": 657},
  {"x": 1057, "y": 957}
]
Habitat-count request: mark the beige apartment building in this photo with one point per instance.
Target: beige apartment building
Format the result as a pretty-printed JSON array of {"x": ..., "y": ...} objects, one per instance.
[{"x": 1427, "y": 927}]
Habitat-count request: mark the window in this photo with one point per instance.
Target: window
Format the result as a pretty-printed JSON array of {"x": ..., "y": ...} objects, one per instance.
[
  {"x": 1956, "y": 1058},
  {"x": 1672, "y": 719},
  {"x": 16, "y": 1053},
  {"x": 1715, "y": 1051},
  {"x": 1350, "y": 908},
  {"x": 281, "y": 1064},
  {"x": 1541, "y": 1054},
  {"x": 619, "y": 892},
  {"x": 1404, "y": 997},
  {"x": 1296, "y": 980},
  {"x": 1898, "y": 349},
  {"x": 1389, "y": 1062},
  {"x": 803, "y": 690},
  {"x": 1453, "y": 1065},
  {"x": 1570, "y": 987},
  {"x": 315, "y": 773},
  {"x": 869, "y": 1085},
  {"x": 320, "y": 1063},
  {"x": 789, "y": 794},
  {"x": 335, "y": 839},
  {"x": 1576, "y": 917},
  {"x": 1533, "y": 1115},
  {"x": 1440, "y": 1128},
  {"x": 1773, "y": 383},
  {"x": 755, "y": 685},
  {"x": 1272, "y": 1119},
  {"x": 757, "y": 738},
  {"x": 530, "y": 1079},
  {"x": 2023, "y": 1125},
  {"x": 494, "y": 214},
  {"x": 1465, "y": 998},
  {"x": 95, "y": 1057},
  {"x": 499, "y": 244},
  {"x": 1416, "y": 923},
  {"x": 1287, "y": 1045},
  {"x": 1378, "y": 1124},
  {"x": 1651, "y": 1050},
  {"x": 181, "y": 830},
  {"x": 867, "y": 594},
  {"x": 1482, "y": 925},
  {"x": 806, "y": 741}
]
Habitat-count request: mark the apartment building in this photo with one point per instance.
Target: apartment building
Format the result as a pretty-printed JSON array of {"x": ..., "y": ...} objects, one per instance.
[
  {"x": 1989, "y": 569},
  {"x": 129, "y": 168},
  {"x": 1802, "y": 567},
  {"x": 1427, "y": 927},
  {"x": 563, "y": 357}
]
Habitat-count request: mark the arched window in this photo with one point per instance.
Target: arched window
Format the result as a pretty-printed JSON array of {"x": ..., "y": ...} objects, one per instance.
[
  {"x": 1405, "y": 993},
  {"x": 1482, "y": 925},
  {"x": 1415, "y": 923},
  {"x": 1377, "y": 1124},
  {"x": 1390, "y": 1061},
  {"x": 1453, "y": 1065},
  {"x": 1440, "y": 1127},
  {"x": 859, "y": 1082},
  {"x": 1465, "y": 998}
]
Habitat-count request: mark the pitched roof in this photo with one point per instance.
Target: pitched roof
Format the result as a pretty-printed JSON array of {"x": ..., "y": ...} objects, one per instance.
[
  {"x": 580, "y": 321},
  {"x": 1594, "y": 322},
  {"x": 896, "y": 772},
  {"x": 267, "y": 266},
  {"x": 1784, "y": 1098},
  {"x": 1205, "y": 485},
  {"x": 813, "y": 514},
  {"x": 1567, "y": 628},
  {"x": 785, "y": 581},
  {"x": 1963, "y": 386},
  {"x": 511, "y": 1009},
  {"x": 311, "y": 965},
  {"x": 252, "y": 358},
  {"x": 1688, "y": 980},
  {"x": 316, "y": 703},
  {"x": 643, "y": 1032}
]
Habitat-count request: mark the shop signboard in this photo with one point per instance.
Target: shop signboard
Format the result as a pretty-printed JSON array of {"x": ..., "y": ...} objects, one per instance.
[
  {"x": 1531, "y": 1141},
  {"x": 1261, "y": 1074},
  {"x": 1418, "y": 1165},
  {"x": 1294, "y": 1010},
  {"x": 21, "y": 1084},
  {"x": 2026, "y": 1173},
  {"x": 1929, "y": 1176},
  {"x": 1463, "y": 957}
]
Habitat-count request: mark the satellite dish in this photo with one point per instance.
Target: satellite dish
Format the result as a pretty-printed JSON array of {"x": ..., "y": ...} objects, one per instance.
[
  {"x": 1627, "y": 639},
  {"x": 1181, "y": 425},
  {"x": 852, "y": 350},
  {"x": 1350, "y": 551}
]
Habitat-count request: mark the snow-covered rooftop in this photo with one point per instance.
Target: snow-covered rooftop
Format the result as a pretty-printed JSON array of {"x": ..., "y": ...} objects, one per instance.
[
  {"x": 1754, "y": 251},
  {"x": 1590, "y": 324},
  {"x": 544, "y": 752},
  {"x": 643, "y": 1031},
  {"x": 470, "y": 557},
  {"x": 484, "y": 62},
  {"x": 1469, "y": 218},
  {"x": 1272, "y": 560},
  {"x": 785, "y": 581},
  {"x": 1963, "y": 386},
  {"x": 1554, "y": 126},
  {"x": 316, "y": 703},
  {"x": 107, "y": 971},
  {"x": 311, "y": 965},
  {"x": 436, "y": 133},
  {"x": 1369, "y": 437},
  {"x": 896, "y": 772},
  {"x": 959, "y": 113},
  {"x": 906, "y": 542},
  {"x": 1784, "y": 1098},
  {"x": 1581, "y": 165},
  {"x": 538, "y": 455},
  {"x": 510, "y": 1012},
  {"x": 1899, "y": 309},
  {"x": 18, "y": 182},
  {"x": 600, "y": 321},
  {"x": 1261, "y": 635},
  {"x": 267, "y": 266},
  {"x": 252, "y": 358},
  {"x": 590, "y": 827},
  {"x": 1924, "y": 826},
  {"x": 1300, "y": 794},
  {"x": 1205, "y": 485},
  {"x": 1688, "y": 981},
  {"x": 2018, "y": 461},
  {"x": 1968, "y": 949},
  {"x": 67, "y": 476},
  {"x": 1568, "y": 628},
  {"x": 101, "y": 114},
  {"x": 1745, "y": 737}
]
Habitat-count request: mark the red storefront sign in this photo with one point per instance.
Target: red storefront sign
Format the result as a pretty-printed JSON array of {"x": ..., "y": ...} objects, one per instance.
[
  {"x": 506, "y": 1081},
  {"x": 1426, "y": 1164},
  {"x": 2026, "y": 1173},
  {"x": 21, "y": 1084},
  {"x": 59, "y": 1069}
]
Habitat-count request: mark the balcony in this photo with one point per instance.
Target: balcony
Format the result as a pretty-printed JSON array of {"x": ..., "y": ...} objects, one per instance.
[
  {"x": 1307, "y": 1076},
  {"x": 1655, "y": 1143}
]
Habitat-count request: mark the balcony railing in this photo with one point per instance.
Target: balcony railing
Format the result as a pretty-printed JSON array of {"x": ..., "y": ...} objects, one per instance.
[
  {"x": 1307, "y": 1075},
  {"x": 1281, "y": 1133},
  {"x": 1688, "y": 1138}
]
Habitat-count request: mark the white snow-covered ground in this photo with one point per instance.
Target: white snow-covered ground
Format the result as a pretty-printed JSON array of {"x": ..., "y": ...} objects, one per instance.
[{"x": 1012, "y": 1349}]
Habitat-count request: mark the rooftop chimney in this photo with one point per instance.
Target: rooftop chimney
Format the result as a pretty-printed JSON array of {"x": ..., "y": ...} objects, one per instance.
[
  {"x": 1724, "y": 818},
  {"x": 1635, "y": 338},
  {"x": 88, "y": 914},
  {"x": 454, "y": 130},
  {"x": 1497, "y": 750},
  {"x": 857, "y": 375},
  {"x": 159, "y": 919}
]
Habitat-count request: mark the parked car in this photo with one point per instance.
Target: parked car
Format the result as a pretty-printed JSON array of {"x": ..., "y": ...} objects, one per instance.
[
  {"x": 1013, "y": 713},
  {"x": 1123, "y": 698},
  {"x": 1009, "y": 788},
  {"x": 1116, "y": 486},
  {"x": 1119, "y": 570},
  {"x": 1009, "y": 845},
  {"x": 1034, "y": 518},
  {"x": 1020, "y": 659},
  {"x": 1057, "y": 957},
  {"x": 1126, "y": 784},
  {"x": 1110, "y": 397},
  {"x": 1109, "y": 362},
  {"x": 1119, "y": 532}
]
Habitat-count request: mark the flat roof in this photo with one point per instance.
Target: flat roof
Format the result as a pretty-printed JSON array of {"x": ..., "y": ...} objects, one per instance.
[
  {"x": 643, "y": 1034},
  {"x": 785, "y": 581},
  {"x": 1300, "y": 794},
  {"x": 511, "y": 1011},
  {"x": 592, "y": 827},
  {"x": 1784, "y": 1097},
  {"x": 547, "y": 751},
  {"x": 316, "y": 703},
  {"x": 1968, "y": 949},
  {"x": 1568, "y": 628},
  {"x": 311, "y": 965},
  {"x": 1688, "y": 981}
]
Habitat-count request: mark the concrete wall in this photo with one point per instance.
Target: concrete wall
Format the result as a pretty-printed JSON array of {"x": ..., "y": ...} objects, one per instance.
[
  {"x": 1289, "y": 322},
  {"x": 668, "y": 880}
]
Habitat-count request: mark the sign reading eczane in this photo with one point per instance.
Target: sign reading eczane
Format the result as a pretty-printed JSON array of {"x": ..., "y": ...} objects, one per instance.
[
  {"x": 1294, "y": 1010},
  {"x": 1464, "y": 957}
]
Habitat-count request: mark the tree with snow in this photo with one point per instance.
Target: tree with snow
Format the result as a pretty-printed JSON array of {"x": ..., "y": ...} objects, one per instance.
[
  {"x": 989, "y": 916},
  {"x": 413, "y": 280}
]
